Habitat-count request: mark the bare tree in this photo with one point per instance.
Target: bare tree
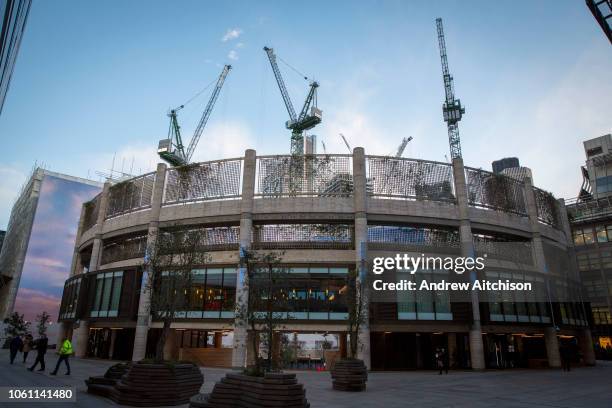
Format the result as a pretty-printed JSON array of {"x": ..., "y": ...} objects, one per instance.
[
  {"x": 41, "y": 323},
  {"x": 169, "y": 263},
  {"x": 268, "y": 303},
  {"x": 356, "y": 302}
]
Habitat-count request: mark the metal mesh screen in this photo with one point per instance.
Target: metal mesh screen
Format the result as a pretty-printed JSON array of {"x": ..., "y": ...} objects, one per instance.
[
  {"x": 130, "y": 195},
  {"x": 126, "y": 248},
  {"x": 513, "y": 251},
  {"x": 90, "y": 214},
  {"x": 311, "y": 175},
  {"x": 547, "y": 206},
  {"x": 203, "y": 181},
  {"x": 288, "y": 236},
  {"x": 214, "y": 238},
  {"x": 557, "y": 260},
  {"x": 409, "y": 179},
  {"x": 419, "y": 238},
  {"x": 495, "y": 191}
]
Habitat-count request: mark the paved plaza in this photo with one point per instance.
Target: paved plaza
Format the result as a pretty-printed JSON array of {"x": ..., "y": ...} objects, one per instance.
[{"x": 582, "y": 387}]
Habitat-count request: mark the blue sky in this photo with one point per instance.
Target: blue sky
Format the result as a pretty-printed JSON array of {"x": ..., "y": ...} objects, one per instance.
[{"x": 97, "y": 78}]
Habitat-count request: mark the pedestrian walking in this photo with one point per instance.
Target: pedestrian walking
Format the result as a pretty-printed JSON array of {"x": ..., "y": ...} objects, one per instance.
[
  {"x": 566, "y": 357},
  {"x": 27, "y": 346},
  {"x": 64, "y": 353},
  {"x": 440, "y": 360},
  {"x": 15, "y": 345},
  {"x": 41, "y": 349}
]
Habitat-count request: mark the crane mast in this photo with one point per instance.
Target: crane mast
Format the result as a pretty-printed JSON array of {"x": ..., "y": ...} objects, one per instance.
[
  {"x": 172, "y": 149},
  {"x": 452, "y": 110},
  {"x": 310, "y": 115}
]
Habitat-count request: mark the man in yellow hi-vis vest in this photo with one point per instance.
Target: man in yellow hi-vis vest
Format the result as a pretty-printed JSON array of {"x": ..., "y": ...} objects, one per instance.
[{"x": 64, "y": 352}]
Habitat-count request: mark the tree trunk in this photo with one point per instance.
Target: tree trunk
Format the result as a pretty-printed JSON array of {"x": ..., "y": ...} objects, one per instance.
[{"x": 159, "y": 349}]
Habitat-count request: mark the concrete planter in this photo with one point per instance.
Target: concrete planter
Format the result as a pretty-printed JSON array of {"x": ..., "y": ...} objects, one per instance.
[
  {"x": 239, "y": 390},
  {"x": 151, "y": 384},
  {"x": 349, "y": 375}
]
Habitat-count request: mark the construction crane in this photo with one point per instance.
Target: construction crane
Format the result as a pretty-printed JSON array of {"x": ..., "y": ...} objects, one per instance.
[
  {"x": 172, "y": 149},
  {"x": 402, "y": 146},
  {"x": 346, "y": 143},
  {"x": 309, "y": 116},
  {"x": 324, "y": 147},
  {"x": 451, "y": 109}
]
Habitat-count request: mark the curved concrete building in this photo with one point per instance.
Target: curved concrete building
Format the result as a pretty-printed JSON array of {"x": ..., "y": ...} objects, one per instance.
[{"x": 330, "y": 214}]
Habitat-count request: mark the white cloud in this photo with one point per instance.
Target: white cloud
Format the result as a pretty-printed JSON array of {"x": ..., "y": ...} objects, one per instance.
[
  {"x": 233, "y": 55},
  {"x": 239, "y": 45},
  {"x": 231, "y": 34},
  {"x": 222, "y": 140}
]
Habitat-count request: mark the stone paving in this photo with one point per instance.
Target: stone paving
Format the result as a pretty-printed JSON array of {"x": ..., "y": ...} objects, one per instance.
[{"x": 582, "y": 387}]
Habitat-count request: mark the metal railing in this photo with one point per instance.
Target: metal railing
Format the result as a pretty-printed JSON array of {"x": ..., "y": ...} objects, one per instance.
[
  {"x": 305, "y": 176},
  {"x": 130, "y": 195},
  {"x": 90, "y": 212},
  {"x": 547, "y": 207},
  {"x": 307, "y": 236},
  {"x": 411, "y": 179},
  {"x": 495, "y": 191},
  {"x": 124, "y": 248},
  {"x": 214, "y": 180}
]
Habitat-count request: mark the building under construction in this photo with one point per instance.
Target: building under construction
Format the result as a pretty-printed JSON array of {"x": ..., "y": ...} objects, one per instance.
[{"x": 330, "y": 215}]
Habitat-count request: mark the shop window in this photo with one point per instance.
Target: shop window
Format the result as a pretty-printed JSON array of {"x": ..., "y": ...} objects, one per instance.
[{"x": 107, "y": 294}]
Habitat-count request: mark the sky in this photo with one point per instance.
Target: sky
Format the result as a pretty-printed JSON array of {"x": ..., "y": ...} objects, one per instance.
[
  {"x": 47, "y": 262},
  {"x": 95, "y": 80}
]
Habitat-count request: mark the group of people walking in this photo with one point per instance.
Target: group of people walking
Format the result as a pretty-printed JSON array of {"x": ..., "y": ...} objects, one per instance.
[{"x": 27, "y": 344}]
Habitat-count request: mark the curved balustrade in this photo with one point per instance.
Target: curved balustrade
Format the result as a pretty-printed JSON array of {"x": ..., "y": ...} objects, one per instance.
[
  {"x": 495, "y": 191},
  {"x": 548, "y": 207},
  {"x": 324, "y": 176},
  {"x": 212, "y": 180},
  {"x": 306, "y": 176},
  {"x": 130, "y": 195},
  {"x": 390, "y": 177}
]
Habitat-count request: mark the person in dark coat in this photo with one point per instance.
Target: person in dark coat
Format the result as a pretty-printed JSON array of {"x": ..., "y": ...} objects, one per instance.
[
  {"x": 41, "y": 350},
  {"x": 15, "y": 346}
]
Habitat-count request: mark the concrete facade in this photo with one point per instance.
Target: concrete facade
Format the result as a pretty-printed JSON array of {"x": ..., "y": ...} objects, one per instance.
[{"x": 382, "y": 193}]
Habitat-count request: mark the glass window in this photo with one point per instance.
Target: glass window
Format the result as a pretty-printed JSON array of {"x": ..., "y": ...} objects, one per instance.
[
  {"x": 425, "y": 301},
  {"x": 229, "y": 292},
  {"x": 95, "y": 309},
  {"x": 578, "y": 237},
  {"x": 588, "y": 236},
  {"x": 602, "y": 236},
  {"x": 214, "y": 293},
  {"x": 116, "y": 295}
]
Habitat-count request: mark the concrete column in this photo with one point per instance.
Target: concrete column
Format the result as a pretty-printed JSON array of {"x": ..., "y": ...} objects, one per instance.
[
  {"x": 467, "y": 250},
  {"x": 79, "y": 339},
  {"x": 143, "y": 320},
  {"x": 552, "y": 347},
  {"x": 240, "y": 351},
  {"x": 586, "y": 347},
  {"x": 552, "y": 344},
  {"x": 361, "y": 245}
]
